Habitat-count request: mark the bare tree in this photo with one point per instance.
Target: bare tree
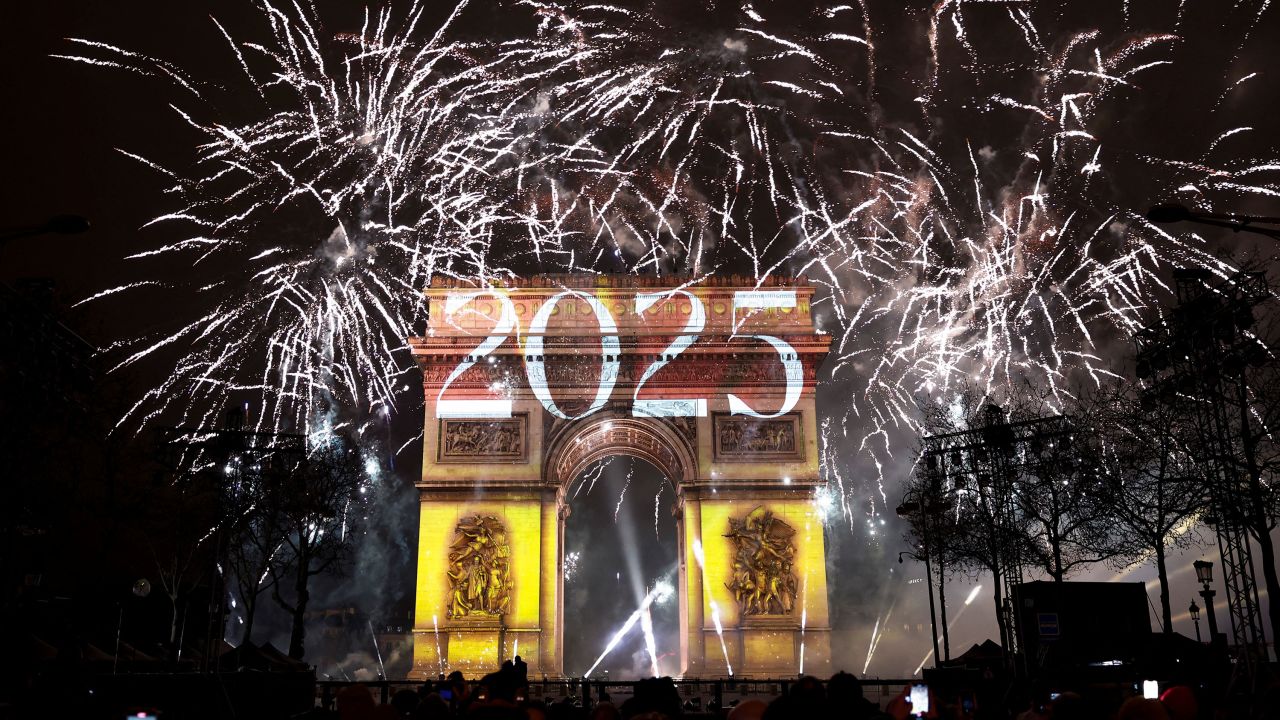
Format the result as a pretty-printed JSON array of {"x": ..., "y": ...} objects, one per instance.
[
  {"x": 254, "y": 544},
  {"x": 1256, "y": 464},
  {"x": 1060, "y": 493},
  {"x": 313, "y": 504},
  {"x": 180, "y": 531},
  {"x": 984, "y": 531},
  {"x": 1152, "y": 483},
  {"x": 1212, "y": 361}
]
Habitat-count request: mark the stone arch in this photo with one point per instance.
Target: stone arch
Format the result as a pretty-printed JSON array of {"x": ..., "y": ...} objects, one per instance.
[
  {"x": 501, "y": 453},
  {"x": 575, "y": 446}
]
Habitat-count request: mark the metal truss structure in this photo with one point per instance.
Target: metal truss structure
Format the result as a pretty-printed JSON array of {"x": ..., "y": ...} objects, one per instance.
[
  {"x": 989, "y": 458},
  {"x": 1197, "y": 358}
]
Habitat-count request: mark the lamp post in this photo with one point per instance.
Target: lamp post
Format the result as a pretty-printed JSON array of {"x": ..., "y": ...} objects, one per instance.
[
  {"x": 1204, "y": 574},
  {"x": 1195, "y": 618},
  {"x": 922, "y": 505},
  {"x": 933, "y": 618},
  {"x": 1167, "y": 214}
]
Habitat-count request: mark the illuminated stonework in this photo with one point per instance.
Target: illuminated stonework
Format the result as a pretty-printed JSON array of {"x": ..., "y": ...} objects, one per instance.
[
  {"x": 472, "y": 441},
  {"x": 479, "y": 569},
  {"x": 749, "y": 439},
  {"x": 493, "y": 487},
  {"x": 762, "y": 580}
]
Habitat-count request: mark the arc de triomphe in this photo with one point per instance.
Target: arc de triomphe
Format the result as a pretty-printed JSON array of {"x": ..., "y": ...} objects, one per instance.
[{"x": 715, "y": 412}]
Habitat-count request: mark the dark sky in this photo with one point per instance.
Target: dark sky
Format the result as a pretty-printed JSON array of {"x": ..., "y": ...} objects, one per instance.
[{"x": 64, "y": 120}]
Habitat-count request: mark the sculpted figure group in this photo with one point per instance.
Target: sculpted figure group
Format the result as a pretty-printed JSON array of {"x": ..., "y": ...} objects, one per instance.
[
  {"x": 479, "y": 568},
  {"x": 763, "y": 582},
  {"x": 749, "y": 437},
  {"x": 479, "y": 438}
]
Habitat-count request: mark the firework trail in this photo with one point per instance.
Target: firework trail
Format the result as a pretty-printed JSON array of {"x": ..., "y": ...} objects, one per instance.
[
  {"x": 650, "y": 643},
  {"x": 701, "y": 559},
  {"x": 973, "y": 232},
  {"x": 876, "y": 635},
  {"x": 660, "y": 592},
  {"x": 951, "y": 624}
]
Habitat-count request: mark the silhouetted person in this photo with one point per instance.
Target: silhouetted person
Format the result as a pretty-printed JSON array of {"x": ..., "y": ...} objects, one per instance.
[
  {"x": 1068, "y": 706},
  {"x": 655, "y": 695},
  {"x": 806, "y": 699},
  {"x": 1180, "y": 702},
  {"x": 534, "y": 710},
  {"x": 565, "y": 710},
  {"x": 1136, "y": 708},
  {"x": 846, "y": 699},
  {"x": 432, "y": 707},
  {"x": 355, "y": 702},
  {"x": 605, "y": 711},
  {"x": 495, "y": 710},
  {"x": 522, "y": 672},
  {"x": 405, "y": 702}
]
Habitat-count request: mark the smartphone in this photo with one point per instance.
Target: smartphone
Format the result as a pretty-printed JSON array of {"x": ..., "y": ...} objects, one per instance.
[
  {"x": 1151, "y": 689},
  {"x": 919, "y": 699},
  {"x": 446, "y": 694}
]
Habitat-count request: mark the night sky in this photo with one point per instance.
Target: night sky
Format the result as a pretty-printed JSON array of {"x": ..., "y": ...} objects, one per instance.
[{"x": 65, "y": 121}]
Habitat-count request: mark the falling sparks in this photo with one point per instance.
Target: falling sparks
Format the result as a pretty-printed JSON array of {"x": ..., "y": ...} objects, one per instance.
[
  {"x": 435, "y": 627},
  {"x": 571, "y": 560},
  {"x": 605, "y": 140},
  {"x": 622, "y": 494},
  {"x": 657, "y": 505}
]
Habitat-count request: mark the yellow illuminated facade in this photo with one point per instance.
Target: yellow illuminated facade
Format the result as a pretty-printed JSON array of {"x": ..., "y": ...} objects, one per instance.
[{"x": 517, "y": 468}]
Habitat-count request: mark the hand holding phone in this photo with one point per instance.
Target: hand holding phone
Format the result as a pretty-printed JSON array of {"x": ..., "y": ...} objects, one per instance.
[{"x": 919, "y": 699}]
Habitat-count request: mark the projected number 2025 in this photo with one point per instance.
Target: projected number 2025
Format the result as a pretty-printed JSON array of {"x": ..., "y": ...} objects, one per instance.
[{"x": 535, "y": 367}]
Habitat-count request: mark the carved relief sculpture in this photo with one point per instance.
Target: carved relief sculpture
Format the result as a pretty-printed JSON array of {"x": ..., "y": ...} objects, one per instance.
[
  {"x": 763, "y": 582},
  {"x": 756, "y": 439},
  {"x": 479, "y": 568},
  {"x": 481, "y": 441}
]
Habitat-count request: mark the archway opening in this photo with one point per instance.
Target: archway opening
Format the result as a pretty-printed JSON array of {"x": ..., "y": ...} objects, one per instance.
[{"x": 620, "y": 568}]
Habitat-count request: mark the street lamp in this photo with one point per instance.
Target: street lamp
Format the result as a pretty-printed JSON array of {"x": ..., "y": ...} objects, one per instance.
[
  {"x": 1204, "y": 571},
  {"x": 933, "y": 503},
  {"x": 1204, "y": 574},
  {"x": 928, "y": 578},
  {"x": 1173, "y": 213},
  {"x": 1195, "y": 618}
]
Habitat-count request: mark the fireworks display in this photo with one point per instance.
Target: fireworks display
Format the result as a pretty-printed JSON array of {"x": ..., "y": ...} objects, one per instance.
[
  {"x": 606, "y": 139},
  {"x": 969, "y": 202}
]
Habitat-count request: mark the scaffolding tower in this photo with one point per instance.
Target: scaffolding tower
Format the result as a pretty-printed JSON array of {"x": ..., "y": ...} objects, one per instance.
[
  {"x": 990, "y": 458},
  {"x": 1197, "y": 358}
]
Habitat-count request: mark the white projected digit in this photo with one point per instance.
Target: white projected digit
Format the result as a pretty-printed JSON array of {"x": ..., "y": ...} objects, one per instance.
[
  {"x": 506, "y": 323},
  {"x": 759, "y": 299},
  {"x": 697, "y": 321},
  {"x": 537, "y": 370}
]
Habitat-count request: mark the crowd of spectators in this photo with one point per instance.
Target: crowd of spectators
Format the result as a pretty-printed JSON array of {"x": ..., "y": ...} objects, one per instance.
[{"x": 503, "y": 695}]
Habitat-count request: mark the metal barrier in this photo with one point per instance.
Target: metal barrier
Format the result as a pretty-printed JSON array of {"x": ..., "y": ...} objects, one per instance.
[{"x": 723, "y": 692}]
